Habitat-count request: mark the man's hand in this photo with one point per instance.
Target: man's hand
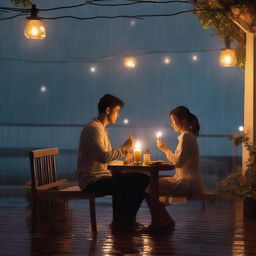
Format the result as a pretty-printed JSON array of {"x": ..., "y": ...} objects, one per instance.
[
  {"x": 128, "y": 144},
  {"x": 128, "y": 158}
]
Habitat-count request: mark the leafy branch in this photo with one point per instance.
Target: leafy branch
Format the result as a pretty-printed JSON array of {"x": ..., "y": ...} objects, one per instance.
[
  {"x": 238, "y": 185},
  {"x": 222, "y": 20}
]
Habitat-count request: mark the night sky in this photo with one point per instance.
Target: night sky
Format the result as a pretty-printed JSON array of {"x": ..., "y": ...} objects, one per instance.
[{"x": 61, "y": 63}]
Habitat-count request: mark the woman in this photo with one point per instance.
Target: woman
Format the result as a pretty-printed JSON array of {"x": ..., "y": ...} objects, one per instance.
[{"x": 187, "y": 179}]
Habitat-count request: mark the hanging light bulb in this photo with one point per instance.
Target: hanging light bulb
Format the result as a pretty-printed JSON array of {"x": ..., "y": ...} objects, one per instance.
[
  {"x": 130, "y": 62},
  {"x": 34, "y": 28},
  {"x": 227, "y": 56}
]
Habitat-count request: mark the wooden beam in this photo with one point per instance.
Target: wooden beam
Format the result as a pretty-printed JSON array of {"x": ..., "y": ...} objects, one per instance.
[
  {"x": 242, "y": 24},
  {"x": 249, "y": 94}
]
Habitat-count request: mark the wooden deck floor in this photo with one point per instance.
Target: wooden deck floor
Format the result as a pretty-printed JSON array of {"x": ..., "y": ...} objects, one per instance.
[{"x": 214, "y": 230}]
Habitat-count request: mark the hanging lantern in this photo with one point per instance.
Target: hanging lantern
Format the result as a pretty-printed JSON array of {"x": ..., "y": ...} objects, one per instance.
[
  {"x": 34, "y": 28},
  {"x": 227, "y": 56}
]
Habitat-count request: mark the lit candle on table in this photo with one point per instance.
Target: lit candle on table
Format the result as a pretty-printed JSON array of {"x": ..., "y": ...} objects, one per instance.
[
  {"x": 137, "y": 152},
  {"x": 159, "y": 135}
]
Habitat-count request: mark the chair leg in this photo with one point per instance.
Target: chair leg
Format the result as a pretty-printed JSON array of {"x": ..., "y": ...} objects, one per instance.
[{"x": 93, "y": 215}]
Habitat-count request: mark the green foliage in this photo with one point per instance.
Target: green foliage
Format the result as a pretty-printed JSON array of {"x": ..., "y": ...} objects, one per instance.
[
  {"x": 216, "y": 14},
  {"x": 26, "y": 3},
  {"x": 237, "y": 185}
]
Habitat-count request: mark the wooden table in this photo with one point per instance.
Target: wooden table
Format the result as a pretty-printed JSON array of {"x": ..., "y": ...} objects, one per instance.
[{"x": 151, "y": 169}]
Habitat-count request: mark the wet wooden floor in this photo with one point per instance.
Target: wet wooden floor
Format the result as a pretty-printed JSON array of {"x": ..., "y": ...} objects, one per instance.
[{"x": 216, "y": 229}]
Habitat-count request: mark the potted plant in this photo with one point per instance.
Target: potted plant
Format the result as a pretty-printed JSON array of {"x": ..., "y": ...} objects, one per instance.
[{"x": 239, "y": 185}]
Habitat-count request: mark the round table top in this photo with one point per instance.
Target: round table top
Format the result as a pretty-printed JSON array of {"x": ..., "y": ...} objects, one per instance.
[{"x": 152, "y": 165}]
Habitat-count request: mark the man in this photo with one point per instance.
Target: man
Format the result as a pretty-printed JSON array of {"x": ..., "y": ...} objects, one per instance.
[{"x": 95, "y": 152}]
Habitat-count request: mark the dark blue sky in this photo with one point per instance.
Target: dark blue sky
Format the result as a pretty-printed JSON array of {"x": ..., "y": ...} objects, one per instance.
[{"x": 62, "y": 61}]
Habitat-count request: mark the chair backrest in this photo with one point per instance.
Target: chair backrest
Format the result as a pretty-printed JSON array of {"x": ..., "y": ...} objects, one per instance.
[{"x": 43, "y": 167}]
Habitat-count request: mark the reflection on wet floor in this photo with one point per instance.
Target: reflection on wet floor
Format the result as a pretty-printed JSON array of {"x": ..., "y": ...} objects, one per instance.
[{"x": 217, "y": 229}]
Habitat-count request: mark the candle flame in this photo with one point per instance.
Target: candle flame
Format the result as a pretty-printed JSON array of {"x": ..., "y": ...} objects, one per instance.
[
  {"x": 159, "y": 134},
  {"x": 137, "y": 146}
]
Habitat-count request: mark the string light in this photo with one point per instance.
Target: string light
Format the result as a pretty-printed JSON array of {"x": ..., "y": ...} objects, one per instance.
[
  {"x": 92, "y": 69},
  {"x": 126, "y": 121},
  {"x": 194, "y": 58},
  {"x": 34, "y": 28},
  {"x": 167, "y": 60},
  {"x": 130, "y": 62},
  {"x": 240, "y": 128},
  {"x": 43, "y": 88},
  {"x": 132, "y": 23}
]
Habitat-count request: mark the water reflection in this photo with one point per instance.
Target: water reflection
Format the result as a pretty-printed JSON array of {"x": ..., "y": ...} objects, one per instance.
[
  {"x": 55, "y": 231},
  {"x": 139, "y": 244},
  {"x": 123, "y": 245},
  {"x": 244, "y": 232},
  {"x": 51, "y": 228},
  {"x": 158, "y": 244}
]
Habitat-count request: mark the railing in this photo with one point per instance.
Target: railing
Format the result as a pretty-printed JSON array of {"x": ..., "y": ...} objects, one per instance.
[{"x": 218, "y": 155}]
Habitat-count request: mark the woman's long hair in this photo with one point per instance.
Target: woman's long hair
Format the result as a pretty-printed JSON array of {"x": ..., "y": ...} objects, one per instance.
[{"x": 183, "y": 113}]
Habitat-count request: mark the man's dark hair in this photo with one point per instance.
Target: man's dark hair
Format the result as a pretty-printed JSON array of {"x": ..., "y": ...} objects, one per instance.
[{"x": 110, "y": 101}]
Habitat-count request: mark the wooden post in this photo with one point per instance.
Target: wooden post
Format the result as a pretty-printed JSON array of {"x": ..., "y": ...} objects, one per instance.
[{"x": 249, "y": 93}]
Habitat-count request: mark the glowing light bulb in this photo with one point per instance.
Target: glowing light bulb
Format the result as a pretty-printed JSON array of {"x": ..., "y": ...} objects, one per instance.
[
  {"x": 241, "y": 128},
  {"x": 167, "y": 60},
  {"x": 126, "y": 121},
  {"x": 132, "y": 22},
  {"x": 227, "y": 58},
  {"x": 35, "y": 29},
  {"x": 194, "y": 58},
  {"x": 43, "y": 89},
  {"x": 92, "y": 69},
  {"x": 130, "y": 62}
]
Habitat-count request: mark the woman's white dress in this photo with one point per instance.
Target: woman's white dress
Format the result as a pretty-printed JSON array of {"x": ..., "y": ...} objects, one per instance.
[{"x": 187, "y": 179}]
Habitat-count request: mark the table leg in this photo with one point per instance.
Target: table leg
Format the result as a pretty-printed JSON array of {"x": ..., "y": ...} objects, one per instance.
[{"x": 154, "y": 191}]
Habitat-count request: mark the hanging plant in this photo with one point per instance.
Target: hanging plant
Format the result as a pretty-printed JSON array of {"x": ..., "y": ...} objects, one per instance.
[
  {"x": 26, "y": 3},
  {"x": 218, "y": 15}
]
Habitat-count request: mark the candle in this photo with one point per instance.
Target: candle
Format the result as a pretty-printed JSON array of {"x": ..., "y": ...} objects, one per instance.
[
  {"x": 137, "y": 152},
  {"x": 159, "y": 135}
]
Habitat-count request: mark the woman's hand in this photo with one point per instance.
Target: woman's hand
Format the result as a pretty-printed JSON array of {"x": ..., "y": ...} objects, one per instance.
[{"x": 161, "y": 145}]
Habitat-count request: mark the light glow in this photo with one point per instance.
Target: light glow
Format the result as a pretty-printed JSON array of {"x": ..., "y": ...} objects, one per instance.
[
  {"x": 167, "y": 60},
  {"x": 137, "y": 146},
  {"x": 126, "y": 121},
  {"x": 159, "y": 135},
  {"x": 227, "y": 57},
  {"x": 43, "y": 89},
  {"x": 92, "y": 69},
  {"x": 132, "y": 23},
  {"x": 194, "y": 58},
  {"x": 241, "y": 128},
  {"x": 35, "y": 29},
  {"x": 130, "y": 62}
]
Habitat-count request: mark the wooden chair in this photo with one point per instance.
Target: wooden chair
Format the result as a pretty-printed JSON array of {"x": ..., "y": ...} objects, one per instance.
[{"x": 45, "y": 184}]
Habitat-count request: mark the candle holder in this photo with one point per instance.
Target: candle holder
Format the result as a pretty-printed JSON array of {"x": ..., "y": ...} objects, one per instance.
[
  {"x": 137, "y": 156},
  {"x": 146, "y": 157},
  {"x": 137, "y": 153}
]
